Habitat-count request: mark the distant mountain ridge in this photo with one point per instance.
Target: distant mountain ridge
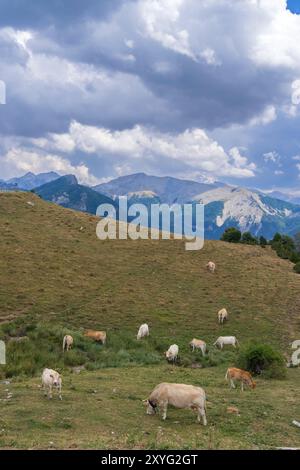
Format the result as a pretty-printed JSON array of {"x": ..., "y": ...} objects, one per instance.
[
  {"x": 225, "y": 206},
  {"x": 30, "y": 180},
  {"x": 167, "y": 188},
  {"x": 66, "y": 192}
]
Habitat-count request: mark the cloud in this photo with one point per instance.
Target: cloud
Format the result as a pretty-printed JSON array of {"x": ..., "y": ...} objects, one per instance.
[
  {"x": 272, "y": 156},
  {"x": 20, "y": 161},
  {"x": 191, "y": 150},
  {"x": 266, "y": 117},
  {"x": 160, "y": 18},
  {"x": 213, "y": 75}
]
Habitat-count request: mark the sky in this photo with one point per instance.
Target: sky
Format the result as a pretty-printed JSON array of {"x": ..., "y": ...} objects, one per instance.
[{"x": 198, "y": 89}]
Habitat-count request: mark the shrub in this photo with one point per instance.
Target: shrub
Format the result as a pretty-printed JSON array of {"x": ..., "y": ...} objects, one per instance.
[
  {"x": 297, "y": 268},
  {"x": 260, "y": 358},
  {"x": 248, "y": 239},
  {"x": 231, "y": 235},
  {"x": 263, "y": 241}
]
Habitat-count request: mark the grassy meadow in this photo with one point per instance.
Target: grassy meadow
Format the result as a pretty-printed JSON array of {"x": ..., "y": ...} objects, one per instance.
[{"x": 58, "y": 278}]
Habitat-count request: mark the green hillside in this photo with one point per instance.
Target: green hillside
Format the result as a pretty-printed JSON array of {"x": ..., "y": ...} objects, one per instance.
[
  {"x": 53, "y": 268},
  {"x": 56, "y": 276}
]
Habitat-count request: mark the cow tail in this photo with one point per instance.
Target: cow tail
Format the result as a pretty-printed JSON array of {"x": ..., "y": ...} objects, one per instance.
[{"x": 226, "y": 376}]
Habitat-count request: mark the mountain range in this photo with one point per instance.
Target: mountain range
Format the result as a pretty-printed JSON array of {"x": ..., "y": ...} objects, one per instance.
[
  {"x": 66, "y": 192},
  {"x": 30, "y": 180},
  {"x": 225, "y": 205}
]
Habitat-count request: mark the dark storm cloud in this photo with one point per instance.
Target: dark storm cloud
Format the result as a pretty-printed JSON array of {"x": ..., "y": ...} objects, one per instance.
[
  {"x": 169, "y": 65},
  {"x": 37, "y": 14}
]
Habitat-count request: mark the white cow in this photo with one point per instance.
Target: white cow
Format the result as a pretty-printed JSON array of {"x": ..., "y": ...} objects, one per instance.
[
  {"x": 179, "y": 396},
  {"x": 222, "y": 315},
  {"x": 172, "y": 353},
  {"x": 211, "y": 267},
  {"x": 143, "y": 331},
  {"x": 51, "y": 378},
  {"x": 67, "y": 342},
  {"x": 198, "y": 344},
  {"x": 223, "y": 340}
]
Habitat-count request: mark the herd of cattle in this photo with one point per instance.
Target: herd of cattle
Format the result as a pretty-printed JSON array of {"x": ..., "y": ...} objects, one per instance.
[{"x": 164, "y": 394}]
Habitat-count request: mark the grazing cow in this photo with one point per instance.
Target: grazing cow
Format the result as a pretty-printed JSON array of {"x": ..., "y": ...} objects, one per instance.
[
  {"x": 211, "y": 267},
  {"x": 50, "y": 379},
  {"x": 67, "y": 342},
  {"x": 222, "y": 315},
  {"x": 238, "y": 374},
  {"x": 198, "y": 344},
  {"x": 99, "y": 336},
  {"x": 143, "y": 331},
  {"x": 223, "y": 340},
  {"x": 179, "y": 396},
  {"x": 172, "y": 353}
]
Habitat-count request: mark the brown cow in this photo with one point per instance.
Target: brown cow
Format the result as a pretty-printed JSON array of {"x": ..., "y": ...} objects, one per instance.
[
  {"x": 238, "y": 374},
  {"x": 99, "y": 336}
]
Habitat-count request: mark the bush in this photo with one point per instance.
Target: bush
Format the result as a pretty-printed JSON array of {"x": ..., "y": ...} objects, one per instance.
[
  {"x": 231, "y": 235},
  {"x": 297, "y": 268},
  {"x": 248, "y": 239},
  {"x": 262, "y": 359},
  {"x": 263, "y": 241}
]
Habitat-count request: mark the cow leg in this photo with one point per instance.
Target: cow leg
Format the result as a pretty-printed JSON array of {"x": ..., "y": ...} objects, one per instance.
[
  {"x": 50, "y": 392},
  {"x": 232, "y": 383},
  {"x": 242, "y": 386},
  {"x": 164, "y": 408},
  {"x": 201, "y": 414},
  {"x": 59, "y": 392}
]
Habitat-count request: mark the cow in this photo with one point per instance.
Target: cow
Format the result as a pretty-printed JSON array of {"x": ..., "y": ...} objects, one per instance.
[
  {"x": 143, "y": 331},
  {"x": 98, "y": 336},
  {"x": 172, "y": 353},
  {"x": 211, "y": 267},
  {"x": 179, "y": 396},
  {"x": 50, "y": 379},
  {"x": 222, "y": 315},
  {"x": 238, "y": 374},
  {"x": 67, "y": 342},
  {"x": 198, "y": 344},
  {"x": 223, "y": 340}
]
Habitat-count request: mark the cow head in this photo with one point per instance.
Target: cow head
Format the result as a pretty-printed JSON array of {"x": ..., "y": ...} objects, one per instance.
[{"x": 151, "y": 407}]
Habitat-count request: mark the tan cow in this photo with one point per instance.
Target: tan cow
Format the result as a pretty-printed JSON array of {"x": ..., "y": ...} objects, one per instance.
[
  {"x": 222, "y": 315},
  {"x": 238, "y": 374},
  {"x": 226, "y": 340},
  {"x": 198, "y": 344},
  {"x": 99, "y": 336},
  {"x": 179, "y": 396},
  {"x": 211, "y": 267},
  {"x": 50, "y": 379},
  {"x": 143, "y": 331},
  {"x": 67, "y": 342}
]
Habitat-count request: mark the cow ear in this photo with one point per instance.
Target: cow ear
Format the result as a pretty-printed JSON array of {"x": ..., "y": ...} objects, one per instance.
[{"x": 145, "y": 402}]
